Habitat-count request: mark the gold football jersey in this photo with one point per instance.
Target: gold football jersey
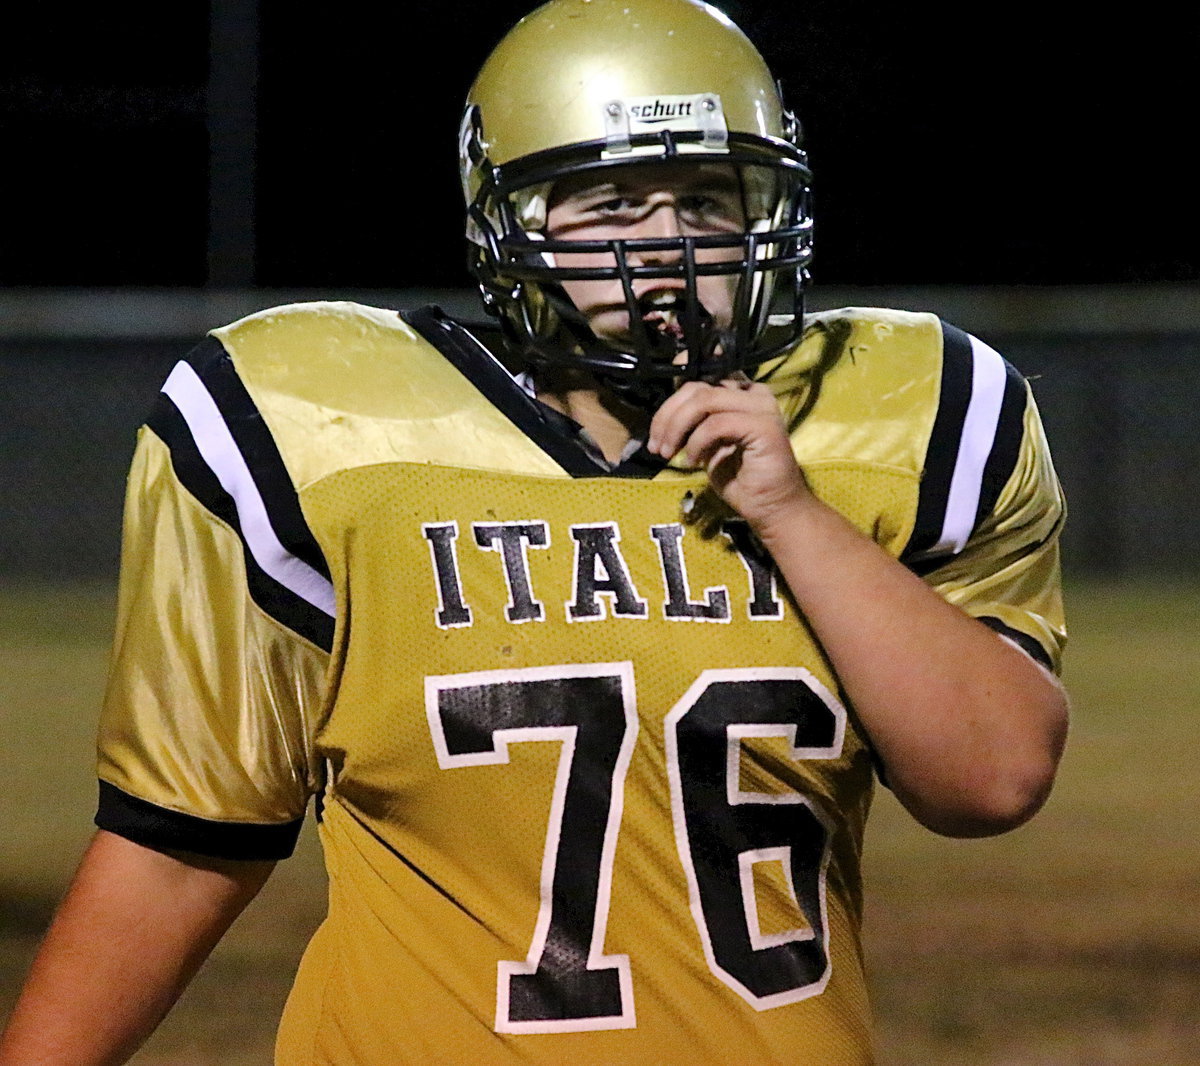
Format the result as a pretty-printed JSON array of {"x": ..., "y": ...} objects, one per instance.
[{"x": 588, "y": 789}]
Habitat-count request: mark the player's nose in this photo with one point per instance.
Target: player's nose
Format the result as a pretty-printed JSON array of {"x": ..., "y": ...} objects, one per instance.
[{"x": 660, "y": 223}]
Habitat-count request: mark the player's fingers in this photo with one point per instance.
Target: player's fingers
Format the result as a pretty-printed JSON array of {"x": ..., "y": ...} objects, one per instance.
[
  {"x": 716, "y": 437},
  {"x": 674, "y": 428},
  {"x": 695, "y": 401},
  {"x": 677, "y": 416}
]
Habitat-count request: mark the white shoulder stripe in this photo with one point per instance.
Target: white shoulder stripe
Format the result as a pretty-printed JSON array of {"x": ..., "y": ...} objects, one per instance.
[
  {"x": 217, "y": 448},
  {"x": 978, "y": 435}
]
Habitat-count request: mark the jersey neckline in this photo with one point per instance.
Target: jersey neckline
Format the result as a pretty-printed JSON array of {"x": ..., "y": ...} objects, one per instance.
[{"x": 555, "y": 433}]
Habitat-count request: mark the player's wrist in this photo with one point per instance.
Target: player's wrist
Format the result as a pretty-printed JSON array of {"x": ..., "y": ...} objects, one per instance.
[{"x": 796, "y": 515}]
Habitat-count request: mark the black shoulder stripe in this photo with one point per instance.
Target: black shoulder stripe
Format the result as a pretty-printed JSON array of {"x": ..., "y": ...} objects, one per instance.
[
  {"x": 477, "y": 365},
  {"x": 1010, "y": 431},
  {"x": 1027, "y": 644},
  {"x": 167, "y": 830},
  {"x": 215, "y": 368},
  {"x": 972, "y": 450},
  {"x": 193, "y": 472},
  {"x": 942, "y": 452},
  {"x": 289, "y": 601},
  {"x": 280, "y": 602}
]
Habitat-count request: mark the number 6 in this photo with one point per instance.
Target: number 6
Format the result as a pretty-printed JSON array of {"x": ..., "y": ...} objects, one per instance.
[{"x": 722, "y": 831}]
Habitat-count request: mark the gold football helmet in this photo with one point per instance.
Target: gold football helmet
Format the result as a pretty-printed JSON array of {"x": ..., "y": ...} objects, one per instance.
[{"x": 586, "y": 86}]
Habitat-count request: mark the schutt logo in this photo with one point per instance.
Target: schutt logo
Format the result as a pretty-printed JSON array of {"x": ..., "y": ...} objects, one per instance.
[{"x": 662, "y": 111}]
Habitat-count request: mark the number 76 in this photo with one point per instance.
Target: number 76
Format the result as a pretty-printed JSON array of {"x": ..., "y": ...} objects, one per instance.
[{"x": 566, "y": 982}]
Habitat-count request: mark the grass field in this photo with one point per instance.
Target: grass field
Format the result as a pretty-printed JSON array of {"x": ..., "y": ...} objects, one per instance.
[{"x": 1074, "y": 941}]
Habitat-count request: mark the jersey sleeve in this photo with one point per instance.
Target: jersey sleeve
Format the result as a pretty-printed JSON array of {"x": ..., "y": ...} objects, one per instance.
[
  {"x": 991, "y": 508},
  {"x": 224, "y": 627}
]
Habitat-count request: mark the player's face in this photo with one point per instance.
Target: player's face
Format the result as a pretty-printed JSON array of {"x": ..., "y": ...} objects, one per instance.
[{"x": 650, "y": 201}]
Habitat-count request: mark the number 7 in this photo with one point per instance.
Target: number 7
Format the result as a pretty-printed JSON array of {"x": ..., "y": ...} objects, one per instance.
[{"x": 566, "y": 983}]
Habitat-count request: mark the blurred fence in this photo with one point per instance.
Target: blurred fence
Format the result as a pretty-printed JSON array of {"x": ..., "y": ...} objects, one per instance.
[{"x": 1116, "y": 372}]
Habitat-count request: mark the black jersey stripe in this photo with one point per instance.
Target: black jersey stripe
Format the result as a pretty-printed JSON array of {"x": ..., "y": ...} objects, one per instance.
[
  {"x": 283, "y": 603},
  {"x": 193, "y": 472},
  {"x": 164, "y": 829},
  {"x": 942, "y": 453},
  {"x": 972, "y": 451},
  {"x": 1010, "y": 431},
  {"x": 278, "y": 601},
  {"x": 472, "y": 359},
  {"x": 214, "y": 366},
  {"x": 1031, "y": 647}
]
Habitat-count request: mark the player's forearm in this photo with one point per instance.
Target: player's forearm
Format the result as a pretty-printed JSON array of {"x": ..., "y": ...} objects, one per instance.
[
  {"x": 968, "y": 727},
  {"x": 133, "y": 929}
]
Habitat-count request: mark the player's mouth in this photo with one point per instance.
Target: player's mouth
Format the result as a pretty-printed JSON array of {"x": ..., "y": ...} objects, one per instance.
[{"x": 662, "y": 312}]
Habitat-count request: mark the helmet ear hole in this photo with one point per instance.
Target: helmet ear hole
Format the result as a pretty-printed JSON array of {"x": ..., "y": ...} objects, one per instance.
[{"x": 542, "y": 112}]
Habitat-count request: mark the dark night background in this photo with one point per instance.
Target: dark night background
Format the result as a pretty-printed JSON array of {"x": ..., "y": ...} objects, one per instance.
[{"x": 1000, "y": 144}]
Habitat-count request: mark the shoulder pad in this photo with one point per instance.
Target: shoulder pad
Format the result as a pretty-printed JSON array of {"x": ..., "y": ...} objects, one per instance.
[
  {"x": 329, "y": 352},
  {"x": 341, "y": 384},
  {"x": 863, "y": 384}
]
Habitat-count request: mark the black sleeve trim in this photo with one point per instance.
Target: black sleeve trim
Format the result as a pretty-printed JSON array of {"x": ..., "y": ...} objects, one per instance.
[
  {"x": 166, "y": 830},
  {"x": 1027, "y": 644}
]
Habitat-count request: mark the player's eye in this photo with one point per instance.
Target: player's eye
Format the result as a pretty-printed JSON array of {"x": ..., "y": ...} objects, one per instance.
[
  {"x": 710, "y": 210},
  {"x": 615, "y": 207}
]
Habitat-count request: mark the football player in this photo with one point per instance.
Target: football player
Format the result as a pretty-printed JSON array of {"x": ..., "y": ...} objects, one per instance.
[{"x": 587, "y": 633}]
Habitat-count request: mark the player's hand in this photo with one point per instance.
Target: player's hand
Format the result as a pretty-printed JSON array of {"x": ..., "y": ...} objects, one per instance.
[{"x": 733, "y": 430}]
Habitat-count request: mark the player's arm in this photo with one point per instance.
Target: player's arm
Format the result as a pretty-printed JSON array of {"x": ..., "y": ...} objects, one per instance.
[
  {"x": 205, "y": 740},
  {"x": 969, "y": 727},
  {"x": 134, "y": 927}
]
